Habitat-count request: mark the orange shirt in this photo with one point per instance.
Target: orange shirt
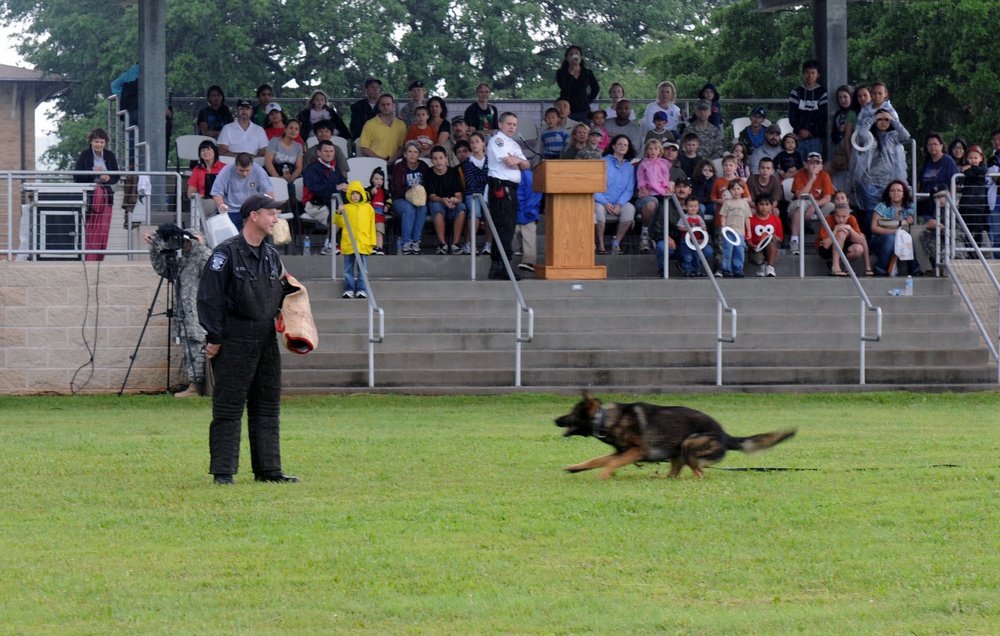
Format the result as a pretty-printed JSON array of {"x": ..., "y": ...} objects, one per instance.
[
  {"x": 822, "y": 186},
  {"x": 721, "y": 185},
  {"x": 853, "y": 222}
]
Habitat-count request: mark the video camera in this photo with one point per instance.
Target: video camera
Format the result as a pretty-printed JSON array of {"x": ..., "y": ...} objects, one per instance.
[{"x": 172, "y": 238}]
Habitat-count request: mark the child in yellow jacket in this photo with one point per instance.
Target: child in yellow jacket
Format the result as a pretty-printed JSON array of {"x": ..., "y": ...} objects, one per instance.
[{"x": 361, "y": 217}]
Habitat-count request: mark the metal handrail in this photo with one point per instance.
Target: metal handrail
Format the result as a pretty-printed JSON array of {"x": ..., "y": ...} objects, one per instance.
[
  {"x": 866, "y": 304},
  {"x": 519, "y": 337},
  {"x": 9, "y": 176},
  {"x": 945, "y": 263},
  {"x": 372, "y": 304},
  {"x": 721, "y": 305}
]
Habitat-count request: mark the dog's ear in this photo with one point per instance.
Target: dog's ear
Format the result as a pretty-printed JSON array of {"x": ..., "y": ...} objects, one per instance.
[{"x": 592, "y": 403}]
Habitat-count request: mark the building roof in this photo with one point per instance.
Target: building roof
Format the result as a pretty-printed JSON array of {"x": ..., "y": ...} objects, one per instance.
[{"x": 45, "y": 85}]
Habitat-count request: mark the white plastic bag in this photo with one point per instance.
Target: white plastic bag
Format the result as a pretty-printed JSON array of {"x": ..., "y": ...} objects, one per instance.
[{"x": 904, "y": 245}]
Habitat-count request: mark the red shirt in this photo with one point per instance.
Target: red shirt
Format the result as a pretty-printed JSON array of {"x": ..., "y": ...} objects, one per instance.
[{"x": 197, "y": 178}]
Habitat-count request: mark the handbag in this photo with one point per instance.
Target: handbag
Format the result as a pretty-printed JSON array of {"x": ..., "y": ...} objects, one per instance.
[
  {"x": 840, "y": 159},
  {"x": 904, "y": 245},
  {"x": 282, "y": 234}
]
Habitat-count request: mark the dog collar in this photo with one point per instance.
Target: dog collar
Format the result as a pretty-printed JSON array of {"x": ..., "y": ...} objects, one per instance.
[{"x": 600, "y": 422}]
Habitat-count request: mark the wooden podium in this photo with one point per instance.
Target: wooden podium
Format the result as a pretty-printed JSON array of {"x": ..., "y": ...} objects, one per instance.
[{"x": 569, "y": 187}]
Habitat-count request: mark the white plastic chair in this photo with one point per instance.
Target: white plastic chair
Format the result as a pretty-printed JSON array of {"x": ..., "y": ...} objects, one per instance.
[
  {"x": 738, "y": 125},
  {"x": 527, "y": 128},
  {"x": 187, "y": 146},
  {"x": 785, "y": 125},
  {"x": 786, "y": 186},
  {"x": 361, "y": 168},
  {"x": 343, "y": 144}
]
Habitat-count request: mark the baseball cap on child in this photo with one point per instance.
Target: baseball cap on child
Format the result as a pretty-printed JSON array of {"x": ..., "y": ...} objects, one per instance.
[{"x": 660, "y": 116}]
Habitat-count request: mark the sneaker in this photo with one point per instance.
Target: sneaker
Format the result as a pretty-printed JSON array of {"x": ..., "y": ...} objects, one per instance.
[
  {"x": 793, "y": 247},
  {"x": 337, "y": 251},
  {"x": 442, "y": 249},
  {"x": 487, "y": 249},
  {"x": 466, "y": 249},
  {"x": 348, "y": 294},
  {"x": 361, "y": 294},
  {"x": 761, "y": 271},
  {"x": 737, "y": 274},
  {"x": 456, "y": 248},
  {"x": 725, "y": 273},
  {"x": 326, "y": 251},
  {"x": 770, "y": 271},
  {"x": 378, "y": 251},
  {"x": 528, "y": 267},
  {"x": 414, "y": 248},
  {"x": 644, "y": 243},
  {"x": 718, "y": 273}
]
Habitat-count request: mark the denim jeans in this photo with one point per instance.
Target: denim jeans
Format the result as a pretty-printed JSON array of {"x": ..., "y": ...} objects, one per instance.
[
  {"x": 351, "y": 283},
  {"x": 413, "y": 219},
  {"x": 436, "y": 207},
  {"x": 689, "y": 257},
  {"x": 732, "y": 255}
]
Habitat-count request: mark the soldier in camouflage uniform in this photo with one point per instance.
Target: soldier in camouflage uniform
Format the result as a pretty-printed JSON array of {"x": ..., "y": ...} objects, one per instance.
[{"x": 190, "y": 263}]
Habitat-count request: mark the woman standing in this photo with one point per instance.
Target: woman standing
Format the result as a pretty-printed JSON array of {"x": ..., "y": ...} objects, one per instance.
[
  {"x": 934, "y": 178},
  {"x": 577, "y": 84},
  {"x": 412, "y": 209},
  {"x": 876, "y": 162},
  {"x": 98, "y": 159}
]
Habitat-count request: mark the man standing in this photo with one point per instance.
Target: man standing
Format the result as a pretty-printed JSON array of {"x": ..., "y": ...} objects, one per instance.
[
  {"x": 710, "y": 142},
  {"x": 416, "y": 93},
  {"x": 506, "y": 161},
  {"x": 238, "y": 181},
  {"x": 622, "y": 125},
  {"x": 383, "y": 135},
  {"x": 807, "y": 107},
  {"x": 242, "y": 135},
  {"x": 238, "y": 301},
  {"x": 365, "y": 108}
]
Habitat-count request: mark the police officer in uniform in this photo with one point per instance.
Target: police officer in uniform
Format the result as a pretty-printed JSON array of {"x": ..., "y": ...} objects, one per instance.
[
  {"x": 238, "y": 300},
  {"x": 505, "y": 160}
]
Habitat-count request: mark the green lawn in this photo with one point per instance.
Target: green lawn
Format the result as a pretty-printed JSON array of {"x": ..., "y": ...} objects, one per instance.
[{"x": 454, "y": 516}]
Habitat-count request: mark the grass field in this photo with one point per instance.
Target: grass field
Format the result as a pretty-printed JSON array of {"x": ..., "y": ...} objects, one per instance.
[{"x": 454, "y": 516}]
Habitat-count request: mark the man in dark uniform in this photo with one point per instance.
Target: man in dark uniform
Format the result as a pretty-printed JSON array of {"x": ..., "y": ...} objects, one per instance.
[{"x": 238, "y": 300}]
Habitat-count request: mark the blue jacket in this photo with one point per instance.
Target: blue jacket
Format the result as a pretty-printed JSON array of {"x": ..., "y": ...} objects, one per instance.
[
  {"x": 620, "y": 180},
  {"x": 528, "y": 201}
]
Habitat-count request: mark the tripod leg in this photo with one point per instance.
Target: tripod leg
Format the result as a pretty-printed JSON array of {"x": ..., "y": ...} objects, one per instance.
[{"x": 149, "y": 314}]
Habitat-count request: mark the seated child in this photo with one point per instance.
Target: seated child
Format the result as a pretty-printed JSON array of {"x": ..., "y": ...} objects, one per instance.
[
  {"x": 848, "y": 235},
  {"x": 597, "y": 119},
  {"x": 699, "y": 234},
  {"x": 659, "y": 131},
  {"x": 689, "y": 156},
  {"x": 422, "y": 132},
  {"x": 788, "y": 161},
  {"x": 382, "y": 204},
  {"x": 735, "y": 215},
  {"x": 554, "y": 137},
  {"x": 653, "y": 182},
  {"x": 591, "y": 151},
  {"x": 973, "y": 203},
  {"x": 765, "y": 236},
  {"x": 703, "y": 181}
]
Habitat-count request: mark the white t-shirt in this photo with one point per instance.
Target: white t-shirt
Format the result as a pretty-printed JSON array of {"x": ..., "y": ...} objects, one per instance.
[{"x": 238, "y": 140}]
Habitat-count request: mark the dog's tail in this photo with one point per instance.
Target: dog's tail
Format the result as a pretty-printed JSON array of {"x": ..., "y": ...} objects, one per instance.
[{"x": 759, "y": 443}]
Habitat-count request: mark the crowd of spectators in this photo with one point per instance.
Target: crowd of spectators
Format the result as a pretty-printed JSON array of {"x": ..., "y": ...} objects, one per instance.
[{"x": 860, "y": 160}]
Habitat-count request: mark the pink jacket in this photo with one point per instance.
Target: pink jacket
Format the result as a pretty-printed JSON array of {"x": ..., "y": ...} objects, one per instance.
[{"x": 654, "y": 176}]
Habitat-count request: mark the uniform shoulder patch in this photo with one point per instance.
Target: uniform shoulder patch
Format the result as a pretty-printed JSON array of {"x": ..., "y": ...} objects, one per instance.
[{"x": 218, "y": 261}]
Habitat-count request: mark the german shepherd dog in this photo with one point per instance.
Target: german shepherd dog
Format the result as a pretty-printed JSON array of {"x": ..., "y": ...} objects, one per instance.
[{"x": 641, "y": 432}]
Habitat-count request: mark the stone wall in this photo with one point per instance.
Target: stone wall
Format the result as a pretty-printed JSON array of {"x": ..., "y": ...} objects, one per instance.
[{"x": 56, "y": 317}]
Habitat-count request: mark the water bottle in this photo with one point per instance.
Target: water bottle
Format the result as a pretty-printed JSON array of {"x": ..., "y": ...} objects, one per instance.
[
  {"x": 909, "y": 286},
  {"x": 306, "y": 246}
]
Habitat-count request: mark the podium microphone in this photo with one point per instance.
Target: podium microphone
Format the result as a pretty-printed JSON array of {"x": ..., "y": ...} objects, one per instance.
[{"x": 524, "y": 144}]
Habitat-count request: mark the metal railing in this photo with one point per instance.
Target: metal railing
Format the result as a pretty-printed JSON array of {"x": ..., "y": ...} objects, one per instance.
[
  {"x": 373, "y": 307},
  {"x": 721, "y": 306},
  {"x": 866, "y": 304},
  {"x": 522, "y": 307},
  {"x": 952, "y": 221},
  {"x": 123, "y": 242}
]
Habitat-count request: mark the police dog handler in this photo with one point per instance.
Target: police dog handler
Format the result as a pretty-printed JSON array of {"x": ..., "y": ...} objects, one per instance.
[{"x": 238, "y": 301}]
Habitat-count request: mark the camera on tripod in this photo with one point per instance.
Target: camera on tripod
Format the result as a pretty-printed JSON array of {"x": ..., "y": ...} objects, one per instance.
[{"x": 172, "y": 238}]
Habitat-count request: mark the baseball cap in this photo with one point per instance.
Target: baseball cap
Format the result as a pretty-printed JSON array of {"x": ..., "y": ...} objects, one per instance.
[
  {"x": 660, "y": 115},
  {"x": 758, "y": 110},
  {"x": 671, "y": 144},
  {"x": 415, "y": 84},
  {"x": 256, "y": 202},
  {"x": 975, "y": 148},
  {"x": 704, "y": 104},
  {"x": 683, "y": 181},
  {"x": 244, "y": 103},
  {"x": 458, "y": 119},
  {"x": 814, "y": 156},
  {"x": 372, "y": 80},
  {"x": 596, "y": 131},
  {"x": 774, "y": 128},
  {"x": 272, "y": 106}
]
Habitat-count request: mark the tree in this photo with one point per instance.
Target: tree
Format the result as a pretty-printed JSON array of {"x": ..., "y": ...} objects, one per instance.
[{"x": 296, "y": 45}]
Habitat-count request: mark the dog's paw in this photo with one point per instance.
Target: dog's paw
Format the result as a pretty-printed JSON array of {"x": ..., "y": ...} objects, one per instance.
[{"x": 575, "y": 468}]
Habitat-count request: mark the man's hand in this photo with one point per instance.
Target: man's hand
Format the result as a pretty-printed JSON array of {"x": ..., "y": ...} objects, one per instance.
[{"x": 212, "y": 350}]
